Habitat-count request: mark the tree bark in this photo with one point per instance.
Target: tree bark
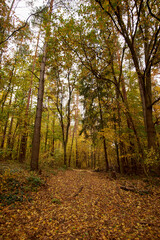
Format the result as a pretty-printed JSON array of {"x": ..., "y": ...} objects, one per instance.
[
  {"x": 102, "y": 126},
  {"x": 23, "y": 142},
  {"x": 37, "y": 126},
  {"x": 6, "y": 124}
]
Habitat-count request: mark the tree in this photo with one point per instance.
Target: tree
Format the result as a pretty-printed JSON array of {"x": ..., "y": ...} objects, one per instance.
[
  {"x": 63, "y": 92},
  {"x": 141, "y": 33},
  {"x": 23, "y": 142},
  {"x": 37, "y": 126}
]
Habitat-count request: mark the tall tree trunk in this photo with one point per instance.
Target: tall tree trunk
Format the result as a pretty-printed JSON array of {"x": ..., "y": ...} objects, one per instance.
[
  {"x": 65, "y": 153},
  {"x": 13, "y": 139},
  {"x": 6, "y": 124},
  {"x": 23, "y": 146},
  {"x": 37, "y": 125},
  {"x": 70, "y": 154},
  {"x": 147, "y": 109},
  {"x": 122, "y": 158},
  {"x": 23, "y": 142},
  {"x": 53, "y": 140},
  {"x": 102, "y": 126},
  {"x": 9, "y": 134},
  {"x": 46, "y": 137},
  {"x": 116, "y": 145},
  {"x": 5, "y": 131},
  {"x": 146, "y": 97},
  {"x": 77, "y": 155},
  {"x": 76, "y": 126}
]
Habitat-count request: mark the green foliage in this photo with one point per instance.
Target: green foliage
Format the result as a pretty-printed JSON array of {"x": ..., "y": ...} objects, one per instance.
[
  {"x": 63, "y": 168},
  {"x": 34, "y": 181},
  {"x": 16, "y": 186}
]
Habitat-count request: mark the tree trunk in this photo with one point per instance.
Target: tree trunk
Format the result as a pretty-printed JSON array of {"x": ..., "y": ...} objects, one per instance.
[
  {"x": 146, "y": 97},
  {"x": 37, "y": 126},
  {"x": 6, "y": 124},
  {"x": 53, "y": 140},
  {"x": 150, "y": 50},
  {"x": 46, "y": 137},
  {"x": 117, "y": 146},
  {"x": 9, "y": 134},
  {"x": 147, "y": 111},
  {"x": 23, "y": 146},
  {"x": 4, "y": 132},
  {"x": 65, "y": 153},
  {"x": 13, "y": 139},
  {"x": 70, "y": 154},
  {"x": 104, "y": 140},
  {"x": 23, "y": 142}
]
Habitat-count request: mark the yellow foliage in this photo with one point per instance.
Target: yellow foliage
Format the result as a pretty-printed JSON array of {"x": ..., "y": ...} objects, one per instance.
[
  {"x": 152, "y": 159},
  {"x": 108, "y": 133}
]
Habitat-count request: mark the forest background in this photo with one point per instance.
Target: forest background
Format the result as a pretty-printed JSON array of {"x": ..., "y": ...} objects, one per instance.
[{"x": 80, "y": 86}]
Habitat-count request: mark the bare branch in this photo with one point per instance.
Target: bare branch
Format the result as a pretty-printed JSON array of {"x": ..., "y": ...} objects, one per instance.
[
  {"x": 23, "y": 26},
  {"x": 157, "y": 100},
  {"x": 34, "y": 74}
]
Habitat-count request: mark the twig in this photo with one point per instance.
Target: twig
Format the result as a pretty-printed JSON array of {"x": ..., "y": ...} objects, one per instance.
[
  {"x": 80, "y": 190},
  {"x": 23, "y": 26}
]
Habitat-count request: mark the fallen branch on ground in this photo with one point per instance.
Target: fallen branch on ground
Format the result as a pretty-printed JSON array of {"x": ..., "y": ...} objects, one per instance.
[{"x": 132, "y": 189}]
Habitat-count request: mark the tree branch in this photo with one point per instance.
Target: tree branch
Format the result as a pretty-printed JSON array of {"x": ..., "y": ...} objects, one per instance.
[
  {"x": 153, "y": 15},
  {"x": 34, "y": 74},
  {"x": 23, "y": 26},
  {"x": 157, "y": 100}
]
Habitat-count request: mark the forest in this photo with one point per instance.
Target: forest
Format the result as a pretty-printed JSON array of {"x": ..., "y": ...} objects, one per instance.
[
  {"x": 80, "y": 85},
  {"x": 80, "y": 119}
]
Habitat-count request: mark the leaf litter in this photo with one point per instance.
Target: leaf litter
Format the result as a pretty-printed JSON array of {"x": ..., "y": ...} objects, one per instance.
[{"x": 84, "y": 205}]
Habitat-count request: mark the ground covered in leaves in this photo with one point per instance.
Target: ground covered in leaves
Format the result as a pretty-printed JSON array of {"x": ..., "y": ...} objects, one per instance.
[{"x": 77, "y": 204}]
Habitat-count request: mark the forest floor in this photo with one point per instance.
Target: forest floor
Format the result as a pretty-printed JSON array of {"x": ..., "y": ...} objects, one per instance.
[{"x": 77, "y": 204}]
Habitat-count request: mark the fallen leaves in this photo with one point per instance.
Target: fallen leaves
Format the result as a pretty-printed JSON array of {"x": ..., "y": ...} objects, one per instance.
[{"x": 98, "y": 210}]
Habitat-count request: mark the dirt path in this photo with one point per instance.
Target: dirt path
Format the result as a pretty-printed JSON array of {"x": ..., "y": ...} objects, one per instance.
[{"x": 83, "y": 205}]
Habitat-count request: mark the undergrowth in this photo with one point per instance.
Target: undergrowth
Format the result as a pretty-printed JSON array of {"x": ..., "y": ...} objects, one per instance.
[{"x": 17, "y": 186}]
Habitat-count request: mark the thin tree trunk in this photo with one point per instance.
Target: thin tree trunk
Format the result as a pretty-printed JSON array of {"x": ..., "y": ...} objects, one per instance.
[
  {"x": 76, "y": 126},
  {"x": 104, "y": 140},
  {"x": 117, "y": 146},
  {"x": 53, "y": 141},
  {"x": 9, "y": 134},
  {"x": 77, "y": 155},
  {"x": 46, "y": 137},
  {"x": 70, "y": 154}
]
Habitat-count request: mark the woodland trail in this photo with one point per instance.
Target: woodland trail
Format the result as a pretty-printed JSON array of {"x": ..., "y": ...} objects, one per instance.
[{"x": 84, "y": 205}]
